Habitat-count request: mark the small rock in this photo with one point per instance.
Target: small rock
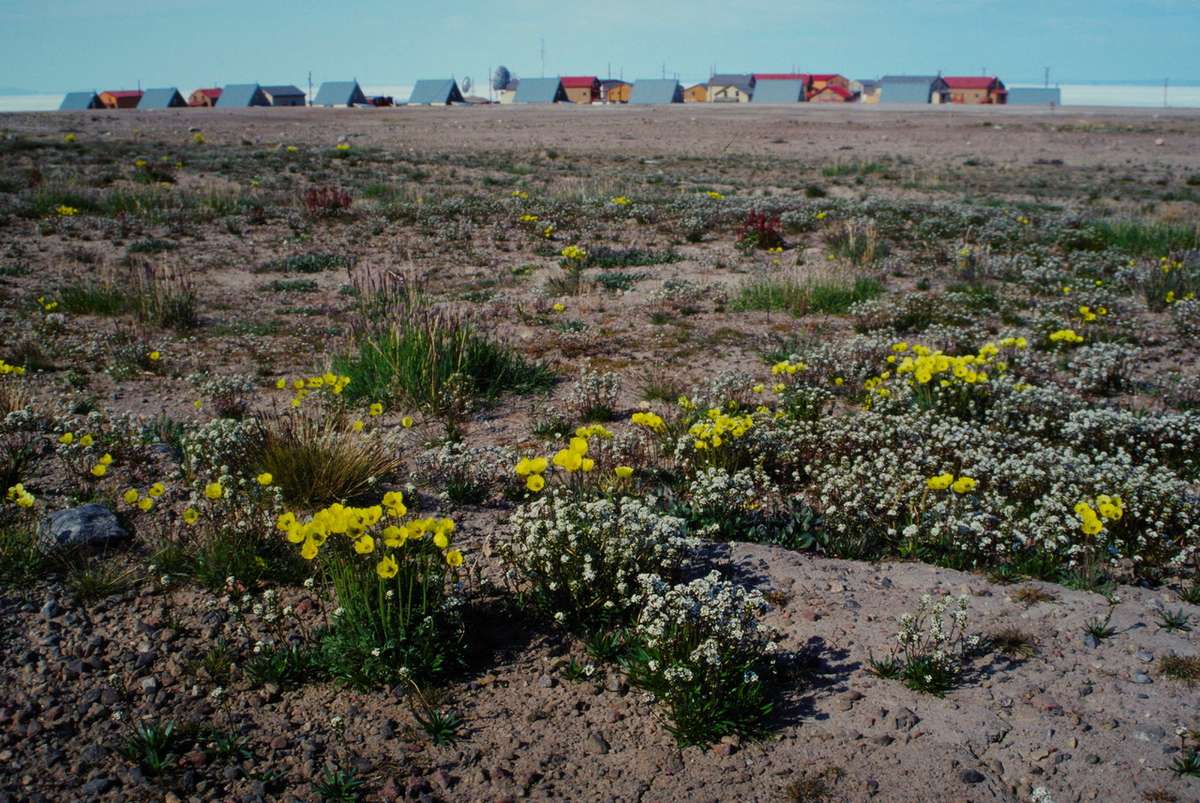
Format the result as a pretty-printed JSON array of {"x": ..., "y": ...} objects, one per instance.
[
  {"x": 1090, "y": 641},
  {"x": 596, "y": 744},
  {"x": 971, "y": 776},
  {"x": 1144, "y": 657},
  {"x": 546, "y": 681},
  {"x": 51, "y": 609},
  {"x": 89, "y": 525},
  {"x": 906, "y": 720},
  {"x": 1142, "y": 678},
  {"x": 98, "y": 786}
]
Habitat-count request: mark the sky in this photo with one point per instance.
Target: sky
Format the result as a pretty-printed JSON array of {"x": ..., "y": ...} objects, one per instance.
[{"x": 60, "y": 45}]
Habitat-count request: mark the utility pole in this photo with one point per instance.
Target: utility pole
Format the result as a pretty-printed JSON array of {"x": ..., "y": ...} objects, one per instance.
[
  {"x": 1047, "y": 79},
  {"x": 310, "y": 98},
  {"x": 1165, "y": 81}
]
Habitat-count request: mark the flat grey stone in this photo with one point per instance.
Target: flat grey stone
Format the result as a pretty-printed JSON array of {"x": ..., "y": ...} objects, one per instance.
[{"x": 88, "y": 525}]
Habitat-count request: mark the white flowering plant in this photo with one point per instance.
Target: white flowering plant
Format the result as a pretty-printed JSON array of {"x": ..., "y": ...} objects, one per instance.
[
  {"x": 578, "y": 559},
  {"x": 701, "y": 649},
  {"x": 933, "y": 646}
]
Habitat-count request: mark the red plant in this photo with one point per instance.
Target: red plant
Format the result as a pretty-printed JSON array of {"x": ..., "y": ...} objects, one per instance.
[
  {"x": 760, "y": 230},
  {"x": 326, "y": 201}
]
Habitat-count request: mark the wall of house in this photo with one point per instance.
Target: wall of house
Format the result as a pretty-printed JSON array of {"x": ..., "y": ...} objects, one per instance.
[
  {"x": 695, "y": 94},
  {"x": 727, "y": 94},
  {"x": 620, "y": 94},
  {"x": 579, "y": 94},
  {"x": 826, "y": 97}
]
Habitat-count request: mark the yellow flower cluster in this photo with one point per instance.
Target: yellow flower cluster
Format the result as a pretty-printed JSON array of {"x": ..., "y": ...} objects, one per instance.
[
  {"x": 787, "y": 368},
  {"x": 198, "y": 138},
  {"x": 620, "y": 200},
  {"x": 528, "y": 218},
  {"x": 144, "y": 503},
  {"x": 20, "y": 497},
  {"x": 941, "y": 482},
  {"x": 532, "y": 469},
  {"x": 327, "y": 382},
  {"x": 343, "y": 147},
  {"x": 10, "y": 370},
  {"x": 1088, "y": 315},
  {"x": 357, "y": 524},
  {"x": 651, "y": 421},
  {"x": 573, "y": 253},
  {"x": 716, "y": 196},
  {"x": 520, "y": 195},
  {"x": 47, "y": 305},
  {"x": 69, "y": 138},
  {"x": 1110, "y": 508},
  {"x": 66, "y": 211},
  {"x": 716, "y": 427},
  {"x": 1171, "y": 298},
  {"x": 1066, "y": 336},
  {"x": 101, "y": 467},
  {"x": 574, "y": 457}
]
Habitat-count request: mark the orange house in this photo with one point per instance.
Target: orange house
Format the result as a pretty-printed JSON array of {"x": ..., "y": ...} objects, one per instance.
[
  {"x": 581, "y": 88},
  {"x": 121, "y": 98},
  {"x": 205, "y": 97},
  {"x": 696, "y": 94},
  {"x": 614, "y": 91},
  {"x": 976, "y": 89},
  {"x": 833, "y": 93}
]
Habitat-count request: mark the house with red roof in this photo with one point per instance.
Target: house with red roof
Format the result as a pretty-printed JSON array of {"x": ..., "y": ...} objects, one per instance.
[
  {"x": 832, "y": 93},
  {"x": 121, "y": 98},
  {"x": 975, "y": 89},
  {"x": 581, "y": 88},
  {"x": 205, "y": 97},
  {"x": 820, "y": 80}
]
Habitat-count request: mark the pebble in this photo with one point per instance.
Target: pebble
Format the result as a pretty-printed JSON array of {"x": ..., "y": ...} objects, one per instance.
[
  {"x": 596, "y": 744},
  {"x": 1142, "y": 677},
  {"x": 1144, "y": 657},
  {"x": 971, "y": 776}
]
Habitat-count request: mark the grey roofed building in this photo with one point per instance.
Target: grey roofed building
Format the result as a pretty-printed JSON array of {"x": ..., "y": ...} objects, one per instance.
[
  {"x": 435, "y": 92},
  {"x": 80, "y": 101},
  {"x": 1034, "y": 96},
  {"x": 340, "y": 93},
  {"x": 285, "y": 95},
  {"x": 241, "y": 96},
  {"x": 540, "y": 90},
  {"x": 743, "y": 81},
  {"x": 909, "y": 88},
  {"x": 778, "y": 90},
  {"x": 163, "y": 98},
  {"x": 649, "y": 91}
]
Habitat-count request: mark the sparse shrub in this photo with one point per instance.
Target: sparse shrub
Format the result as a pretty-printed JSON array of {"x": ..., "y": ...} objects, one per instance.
[
  {"x": 856, "y": 241},
  {"x": 322, "y": 202},
  {"x": 164, "y": 298},
  {"x": 469, "y": 475},
  {"x": 801, "y": 295},
  {"x": 759, "y": 230}
]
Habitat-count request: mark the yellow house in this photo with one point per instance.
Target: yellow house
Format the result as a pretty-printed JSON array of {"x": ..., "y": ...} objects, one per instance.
[
  {"x": 697, "y": 93},
  {"x": 730, "y": 88}
]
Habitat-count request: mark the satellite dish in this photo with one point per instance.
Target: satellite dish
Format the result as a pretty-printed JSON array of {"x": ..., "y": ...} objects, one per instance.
[{"x": 466, "y": 84}]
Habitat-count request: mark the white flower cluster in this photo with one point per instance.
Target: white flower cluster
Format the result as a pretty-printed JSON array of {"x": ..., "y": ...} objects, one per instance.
[
  {"x": 1102, "y": 367},
  {"x": 717, "y": 497},
  {"x": 228, "y": 396},
  {"x": 701, "y": 628},
  {"x": 1186, "y": 317},
  {"x": 593, "y": 393},
  {"x": 937, "y": 632},
  {"x": 584, "y": 556},
  {"x": 467, "y": 473}
]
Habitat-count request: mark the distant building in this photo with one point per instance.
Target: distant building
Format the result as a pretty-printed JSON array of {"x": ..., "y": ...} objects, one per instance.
[
  {"x": 975, "y": 89},
  {"x": 80, "y": 101},
  {"x": 285, "y": 95},
  {"x": 1035, "y": 96},
  {"x": 730, "y": 88},
  {"x": 121, "y": 98},
  {"x": 581, "y": 88},
  {"x": 697, "y": 93},
  {"x": 613, "y": 90},
  {"x": 166, "y": 98},
  {"x": 506, "y": 94},
  {"x": 819, "y": 81},
  {"x": 780, "y": 88},
  {"x": 866, "y": 89},
  {"x": 656, "y": 91},
  {"x": 540, "y": 91},
  {"x": 340, "y": 93},
  {"x": 204, "y": 97},
  {"x": 912, "y": 89},
  {"x": 241, "y": 96},
  {"x": 435, "y": 92},
  {"x": 833, "y": 93}
]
